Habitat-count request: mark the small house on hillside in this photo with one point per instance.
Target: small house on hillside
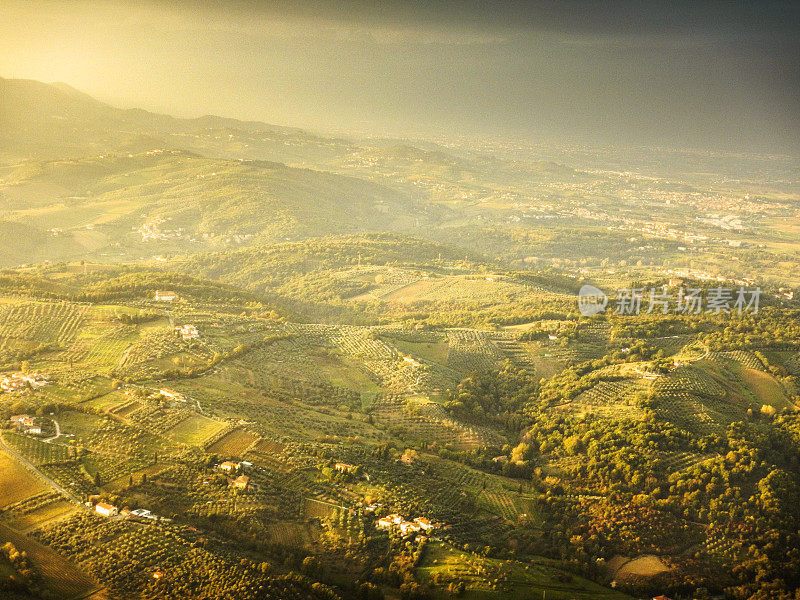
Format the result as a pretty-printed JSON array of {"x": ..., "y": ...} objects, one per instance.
[
  {"x": 171, "y": 395},
  {"x": 395, "y": 519},
  {"x": 344, "y": 467},
  {"x": 407, "y": 527},
  {"x": 22, "y": 421},
  {"x": 412, "y": 361},
  {"x": 424, "y": 523},
  {"x": 409, "y": 457},
  {"x": 11, "y": 384},
  {"x": 105, "y": 509},
  {"x": 26, "y": 424},
  {"x": 390, "y": 521},
  {"x": 165, "y": 296},
  {"x": 241, "y": 482},
  {"x": 187, "y": 332},
  {"x": 21, "y": 381},
  {"x": 228, "y": 466}
]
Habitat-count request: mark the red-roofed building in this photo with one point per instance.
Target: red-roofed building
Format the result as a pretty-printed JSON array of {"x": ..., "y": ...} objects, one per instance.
[
  {"x": 241, "y": 482},
  {"x": 107, "y": 510}
]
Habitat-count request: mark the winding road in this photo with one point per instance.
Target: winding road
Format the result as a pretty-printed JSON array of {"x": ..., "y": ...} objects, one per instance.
[{"x": 58, "y": 432}]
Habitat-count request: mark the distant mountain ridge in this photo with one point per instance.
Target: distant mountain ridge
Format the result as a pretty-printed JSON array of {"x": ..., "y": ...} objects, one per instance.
[{"x": 40, "y": 120}]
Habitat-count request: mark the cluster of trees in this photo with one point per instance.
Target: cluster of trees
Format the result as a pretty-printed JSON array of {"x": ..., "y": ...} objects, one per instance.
[
  {"x": 132, "y": 283},
  {"x": 749, "y": 495},
  {"x": 494, "y": 396},
  {"x": 565, "y": 330},
  {"x": 190, "y": 569},
  {"x": 773, "y": 327},
  {"x": 572, "y": 381},
  {"x": 304, "y": 278},
  {"x": 645, "y": 326},
  {"x": 24, "y": 578},
  {"x": 25, "y": 407},
  {"x": 28, "y": 284},
  {"x": 406, "y": 554},
  {"x": 13, "y": 358},
  {"x": 135, "y": 318}
]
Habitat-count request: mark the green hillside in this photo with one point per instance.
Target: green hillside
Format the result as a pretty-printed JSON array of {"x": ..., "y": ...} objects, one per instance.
[{"x": 163, "y": 202}]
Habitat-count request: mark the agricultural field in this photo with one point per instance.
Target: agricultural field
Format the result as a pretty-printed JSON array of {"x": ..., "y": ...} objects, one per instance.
[
  {"x": 420, "y": 418},
  {"x": 38, "y": 512},
  {"x": 105, "y": 435},
  {"x": 61, "y": 577},
  {"x": 16, "y": 482},
  {"x": 109, "y": 403},
  {"x": 292, "y": 533},
  {"x": 80, "y": 424},
  {"x": 101, "y": 344},
  {"x": 157, "y": 351},
  {"x": 610, "y": 399},
  {"x": 765, "y": 388},
  {"x": 470, "y": 288},
  {"x": 234, "y": 443},
  {"x": 435, "y": 351},
  {"x": 37, "y": 451},
  {"x": 71, "y": 476},
  {"x": 195, "y": 430},
  {"x": 110, "y": 468},
  {"x": 640, "y": 566},
  {"x": 134, "y": 471},
  {"x": 293, "y": 398},
  {"x": 280, "y": 413},
  {"x": 29, "y": 328},
  {"x": 343, "y": 375},
  {"x": 489, "y": 578},
  {"x": 694, "y": 397}
]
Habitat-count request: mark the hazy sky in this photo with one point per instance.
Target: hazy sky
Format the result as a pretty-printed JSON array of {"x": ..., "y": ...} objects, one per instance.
[{"x": 718, "y": 75}]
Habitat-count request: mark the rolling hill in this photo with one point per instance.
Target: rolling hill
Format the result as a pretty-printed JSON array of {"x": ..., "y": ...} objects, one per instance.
[{"x": 124, "y": 206}]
